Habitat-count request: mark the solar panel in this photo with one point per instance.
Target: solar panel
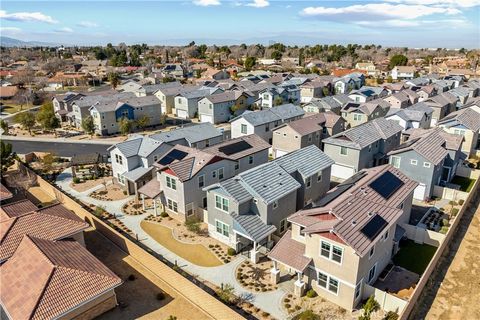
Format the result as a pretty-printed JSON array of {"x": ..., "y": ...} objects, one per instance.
[
  {"x": 172, "y": 156},
  {"x": 373, "y": 227},
  {"x": 386, "y": 185},
  {"x": 235, "y": 147}
]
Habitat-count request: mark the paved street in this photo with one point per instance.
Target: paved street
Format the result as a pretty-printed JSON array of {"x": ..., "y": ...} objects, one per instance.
[{"x": 60, "y": 148}]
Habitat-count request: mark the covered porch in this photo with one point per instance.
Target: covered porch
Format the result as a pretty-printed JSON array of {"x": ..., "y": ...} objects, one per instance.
[
  {"x": 252, "y": 236},
  {"x": 152, "y": 191},
  {"x": 137, "y": 178},
  {"x": 290, "y": 254}
]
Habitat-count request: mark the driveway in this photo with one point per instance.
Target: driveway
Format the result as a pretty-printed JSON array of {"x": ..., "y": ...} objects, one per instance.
[{"x": 224, "y": 274}]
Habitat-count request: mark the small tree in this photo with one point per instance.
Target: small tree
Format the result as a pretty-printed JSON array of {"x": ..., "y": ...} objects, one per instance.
[
  {"x": 143, "y": 122},
  {"x": 398, "y": 60},
  {"x": 125, "y": 126},
  {"x": 88, "y": 125},
  {"x": 226, "y": 293},
  {"x": 26, "y": 120},
  {"x": 6, "y": 155},
  {"x": 370, "y": 306},
  {"x": 249, "y": 63},
  {"x": 193, "y": 225},
  {"x": 4, "y": 126},
  {"x": 114, "y": 79},
  {"x": 325, "y": 91},
  {"x": 46, "y": 117},
  {"x": 278, "y": 101},
  {"x": 47, "y": 162}
]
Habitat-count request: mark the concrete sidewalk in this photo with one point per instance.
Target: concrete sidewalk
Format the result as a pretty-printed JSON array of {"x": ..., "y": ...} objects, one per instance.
[
  {"x": 269, "y": 301},
  {"x": 58, "y": 140}
]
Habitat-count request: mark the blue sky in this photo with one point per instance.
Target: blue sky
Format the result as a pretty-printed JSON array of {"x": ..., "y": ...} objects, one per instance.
[{"x": 413, "y": 23}]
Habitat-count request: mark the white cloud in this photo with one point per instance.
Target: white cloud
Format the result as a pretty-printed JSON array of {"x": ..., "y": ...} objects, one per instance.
[
  {"x": 64, "y": 30},
  {"x": 26, "y": 16},
  {"x": 10, "y": 31},
  {"x": 441, "y": 3},
  {"x": 383, "y": 11},
  {"x": 258, "y": 3},
  {"x": 206, "y": 3},
  {"x": 451, "y": 23},
  {"x": 87, "y": 24}
]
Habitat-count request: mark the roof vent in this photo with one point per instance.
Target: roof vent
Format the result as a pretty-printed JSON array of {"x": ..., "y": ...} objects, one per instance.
[
  {"x": 354, "y": 222},
  {"x": 370, "y": 213}
]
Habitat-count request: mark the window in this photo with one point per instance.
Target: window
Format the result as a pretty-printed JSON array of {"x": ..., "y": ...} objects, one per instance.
[
  {"x": 325, "y": 249},
  {"x": 283, "y": 225},
  {"x": 343, "y": 151},
  {"x": 460, "y": 132},
  {"x": 371, "y": 273},
  {"x": 204, "y": 202},
  {"x": 426, "y": 164},
  {"x": 372, "y": 251},
  {"x": 319, "y": 176},
  {"x": 171, "y": 183},
  {"x": 214, "y": 173},
  {"x": 358, "y": 290},
  {"x": 243, "y": 128},
  {"x": 237, "y": 166},
  {"x": 155, "y": 158},
  {"x": 250, "y": 159},
  {"x": 322, "y": 280},
  {"x": 309, "y": 138},
  {"x": 222, "y": 228},
  {"x": 119, "y": 159},
  {"x": 267, "y": 128},
  {"x": 370, "y": 148},
  {"x": 172, "y": 205},
  {"x": 395, "y": 161},
  {"x": 333, "y": 285},
  {"x": 308, "y": 182},
  {"x": 189, "y": 209},
  {"x": 275, "y": 204},
  {"x": 413, "y": 162},
  {"x": 357, "y": 117},
  {"x": 201, "y": 181},
  {"x": 221, "y": 203},
  {"x": 220, "y": 173},
  {"x": 337, "y": 254},
  {"x": 385, "y": 236}
]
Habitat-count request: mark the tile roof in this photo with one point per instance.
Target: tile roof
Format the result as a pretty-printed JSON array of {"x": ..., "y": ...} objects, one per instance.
[
  {"x": 309, "y": 124},
  {"x": 222, "y": 97},
  {"x": 307, "y": 161},
  {"x": 53, "y": 223},
  {"x": 346, "y": 213},
  {"x": 256, "y": 144},
  {"x": 252, "y": 226},
  {"x": 365, "y": 134},
  {"x": 137, "y": 173},
  {"x": 5, "y": 194},
  {"x": 151, "y": 189},
  {"x": 279, "y": 113},
  {"x": 466, "y": 117},
  {"x": 16, "y": 209},
  {"x": 192, "y": 133},
  {"x": 46, "y": 279},
  {"x": 290, "y": 252},
  {"x": 407, "y": 114},
  {"x": 137, "y": 145},
  {"x": 432, "y": 144}
]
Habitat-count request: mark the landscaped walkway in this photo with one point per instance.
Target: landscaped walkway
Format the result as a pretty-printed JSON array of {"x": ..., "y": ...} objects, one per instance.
[{"x": 267, "y": 301}]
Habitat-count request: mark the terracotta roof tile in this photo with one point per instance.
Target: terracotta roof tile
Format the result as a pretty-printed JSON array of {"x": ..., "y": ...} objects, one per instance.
[
  {"x": 17, "y": 208},
  {"x": 290, "y": 252}
]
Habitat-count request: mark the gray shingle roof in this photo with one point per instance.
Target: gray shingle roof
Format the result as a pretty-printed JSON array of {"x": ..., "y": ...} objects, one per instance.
[
  {"x": 137, "y": 145},
  {"x": 365, "y": 134},
  {"x": 466, "y": 117},
  {"x": 256, "y": 143},
  {"x": 252, "y": 226},
  {"x": 137, "y": 173},
  {"x": 307, "y": 161},
  {"x": 191, "y": 133}
]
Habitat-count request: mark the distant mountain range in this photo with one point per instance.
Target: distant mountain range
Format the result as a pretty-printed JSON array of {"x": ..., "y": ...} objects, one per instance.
[{"x": 11, "y": 42}]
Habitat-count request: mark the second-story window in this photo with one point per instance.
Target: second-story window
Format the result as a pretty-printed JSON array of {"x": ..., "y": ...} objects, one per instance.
[
  {"x": 171, "y": 183},
  {"x": 308, "y": 182},
  {"x": 214, "y": 174},
  {"x": 319, "y": 176},
  {"x": 201, "y": 181},
  {"x": 343, "y": 151},
  {"x": 395, "y": 162},
  {"x": 220, "y": 173},
  {"x": 325, "y": 249},
  {"x": 250, "y": 159},
  {"x": 331, "y": 252},
  {"x": 275, "y": 204},
  {"x": 372, "y": 251},
  {"x": 243, "y": 128},
  {"x": 221, "y": 203},
  {"x": 426, "y": 164}
]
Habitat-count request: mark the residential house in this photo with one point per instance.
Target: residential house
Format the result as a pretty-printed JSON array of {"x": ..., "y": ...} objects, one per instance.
[
  {"x": 273, "y": 96},
  {"x": 464, "y": 122},
  {"x": 418, "y": 82},
  {"x": 47, "y": 279},
  {"x": 368, "y": 67},
  {"x": 418, "y": 116},
  {"x": 183, "y": 172},
  {"x": 250, "y": 210},
  {"x": 403, "y": 72},
  {"x": 398, "y": 100},
  {"x": 174, "y": 70},
  {"x": 62, "y": 104},
  {"x": 412, "y": 95},
  {"x": 329, "y": 103},
  {"x": 219, "y": 108},
  {"x": 340, "y": 245},
  {"x": 303, "y": 132},
  {"x": 186, "y": 103},
  {"x": 442, "y": 105},
  {"x": 349, "y": 82},
  {"x": 430, "y": 157},
  {"x": 108, "y": 114},
  {"x": 364, "y": 146},
  {"x": 358, "y": 113},
  {"x": 167, "y": 96},
  {"x": 200, "y": 136},
  {"x": 314, "y": 89},
  {"x": 426, "y": 92},
  {"x": 263, "y": 122},
  {"x": 367, "y": 93}
]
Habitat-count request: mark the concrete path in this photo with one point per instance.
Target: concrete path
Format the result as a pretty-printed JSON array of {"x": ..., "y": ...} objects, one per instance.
[{"x": 267, "y": 301}]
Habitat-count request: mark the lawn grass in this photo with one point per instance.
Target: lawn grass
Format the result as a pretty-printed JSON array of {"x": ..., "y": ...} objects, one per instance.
[
  {"x": 12, "y": 108},
  {"x": 414, "y": 257},
  {"x": 466, "y": 184},
  {"x": 195, "y": 253}
]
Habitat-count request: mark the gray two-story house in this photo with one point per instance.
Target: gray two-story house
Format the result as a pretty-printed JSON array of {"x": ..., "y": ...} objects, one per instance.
[
  {"x": 249, "y": 211},
  {"x": 429, "y": 157},
  {"x": 364, "y": 146}
]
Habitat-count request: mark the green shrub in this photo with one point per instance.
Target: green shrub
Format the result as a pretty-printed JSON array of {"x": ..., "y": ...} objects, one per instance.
[
  {"x": 390, "y": 315},
  {"x": 307, "y": 315},
  {"x": 193, "y": 225},
  {"x": 452, "y": 203},
  {"x": 163, "y": 214},
  {"x": 210, "y": 246},
  {"x": 445, "y": 223},
  {"x": 443, "y": 230},
  {"x": 124, "y": 192},
  {"x": 288, "y": 305},
  {"x": 454, "y": 212},
  {"x": 231, "y": 252},
  {"x": 76, "y": 180},
  {"x": 311, "y": 293},
  {"x": 461, "y": 202}
]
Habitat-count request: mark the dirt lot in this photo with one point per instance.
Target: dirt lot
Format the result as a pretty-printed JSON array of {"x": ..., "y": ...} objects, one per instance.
[
  {"x": 138, "y": 298},
  {"x": 89, "y": 184},
  {"x": 456, "y": 292}
]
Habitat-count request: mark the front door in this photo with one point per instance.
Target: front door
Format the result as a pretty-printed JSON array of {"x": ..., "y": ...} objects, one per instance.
[{"x": 445, "y": 174}]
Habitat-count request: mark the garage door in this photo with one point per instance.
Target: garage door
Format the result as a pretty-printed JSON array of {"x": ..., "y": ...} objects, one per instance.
[
  {"x": 419, "y": 192},
  {"x": 182, "y": 114},
  {"x": 279, "y": 153},
  {"x": 206, "y": 118},
  {"x": 342, "y": 172}
]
